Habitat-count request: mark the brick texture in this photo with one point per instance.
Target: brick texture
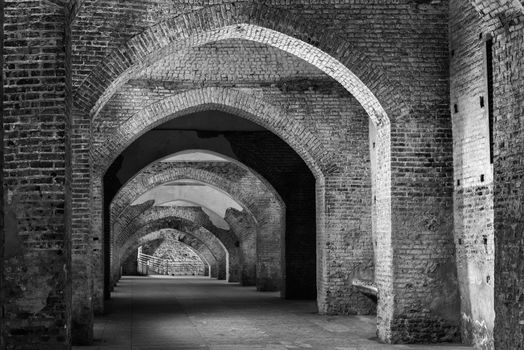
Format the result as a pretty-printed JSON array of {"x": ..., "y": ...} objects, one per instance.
[
  {"x": 36, "y": 266},
  {"x": 508, "y": 65},
  {"x": 473, "y": 174}
]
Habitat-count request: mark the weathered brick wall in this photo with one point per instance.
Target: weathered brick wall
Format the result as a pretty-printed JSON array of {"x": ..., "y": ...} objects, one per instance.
[
  {"x": 36, "y": 269},
  {"x": 508, "y": 65},
  {"x": 253, "y": 249},
  {"x": 473, "y": 174},
  {"x": 289, "y": 167}
]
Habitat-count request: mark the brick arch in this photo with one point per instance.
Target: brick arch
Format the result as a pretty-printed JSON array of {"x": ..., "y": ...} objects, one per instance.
[
  {"x": 276, "y": 27},
  {"x": 126, "y": 224},
  {"x": 183, "y": 219},
  {"x": 267, "y": 210},
  {"x": 159, "y": 173},
  {"x": 193, "y": 243},
  {"x": 319, "y": 159},
  {"x": 185, "y": 226}
]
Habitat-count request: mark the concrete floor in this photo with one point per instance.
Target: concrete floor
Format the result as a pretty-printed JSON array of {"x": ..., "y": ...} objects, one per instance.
[{"x": 162, "y": 313}]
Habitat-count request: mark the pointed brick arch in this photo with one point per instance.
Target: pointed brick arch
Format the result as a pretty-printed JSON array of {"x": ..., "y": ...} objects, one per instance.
[
  {"x": 260, "y": 200},
  {"x": 189, "y": 217},
  {"x": 160, "y": 173},
  {"x": 163, "y": 218},
  {"x": 249, "y": 21},
  {"x": 319, "y": 159}
]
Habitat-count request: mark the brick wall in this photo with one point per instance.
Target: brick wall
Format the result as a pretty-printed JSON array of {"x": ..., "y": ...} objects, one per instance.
[
  {"x": 473, "y": 174},
  {"x": 413, "y": 92},
  {"x": 508, "y": 65},
  {"x": 36, "y": 269}
]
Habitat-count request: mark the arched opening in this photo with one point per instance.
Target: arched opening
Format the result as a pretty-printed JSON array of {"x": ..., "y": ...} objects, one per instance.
[
  {"x": 164, "y": 256},
  {"x": 321, "y": 161},
  {"x": 262, "y": 209},
  {"x": 249, "y": 144}
]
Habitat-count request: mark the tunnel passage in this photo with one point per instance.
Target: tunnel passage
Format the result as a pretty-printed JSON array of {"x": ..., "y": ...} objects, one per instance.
[
  {"x": 251, "y": 145},
  {"x": 246, "y": 203}
]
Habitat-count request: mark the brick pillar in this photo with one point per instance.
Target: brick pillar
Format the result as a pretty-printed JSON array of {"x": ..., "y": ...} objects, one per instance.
[
  {"x": 508, "y": 65},
  {"x": 473, "y": 174},
  {"x": 37, "y": 262},
  {"x": 270, "y": 249},
  {"x": 82, "y": 244},
  {"x": 245, "y": 230},
  {"x": 418, "y": 288}
]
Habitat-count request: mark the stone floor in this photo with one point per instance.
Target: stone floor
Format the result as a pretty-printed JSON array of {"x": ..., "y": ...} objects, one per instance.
[{"x": 162, "y": 313}]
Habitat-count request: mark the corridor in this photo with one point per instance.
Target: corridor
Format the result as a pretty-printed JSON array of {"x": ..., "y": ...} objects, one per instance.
[{"x": 163, "y": 313}]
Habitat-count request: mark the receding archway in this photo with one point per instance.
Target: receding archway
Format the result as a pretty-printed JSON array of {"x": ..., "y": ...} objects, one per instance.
[
  {"x": 257, "y": 197},
  {"x": 187, "y": 219},
  {"x": 383, "y": 198},
  {"x": 198, "y": 246}
]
